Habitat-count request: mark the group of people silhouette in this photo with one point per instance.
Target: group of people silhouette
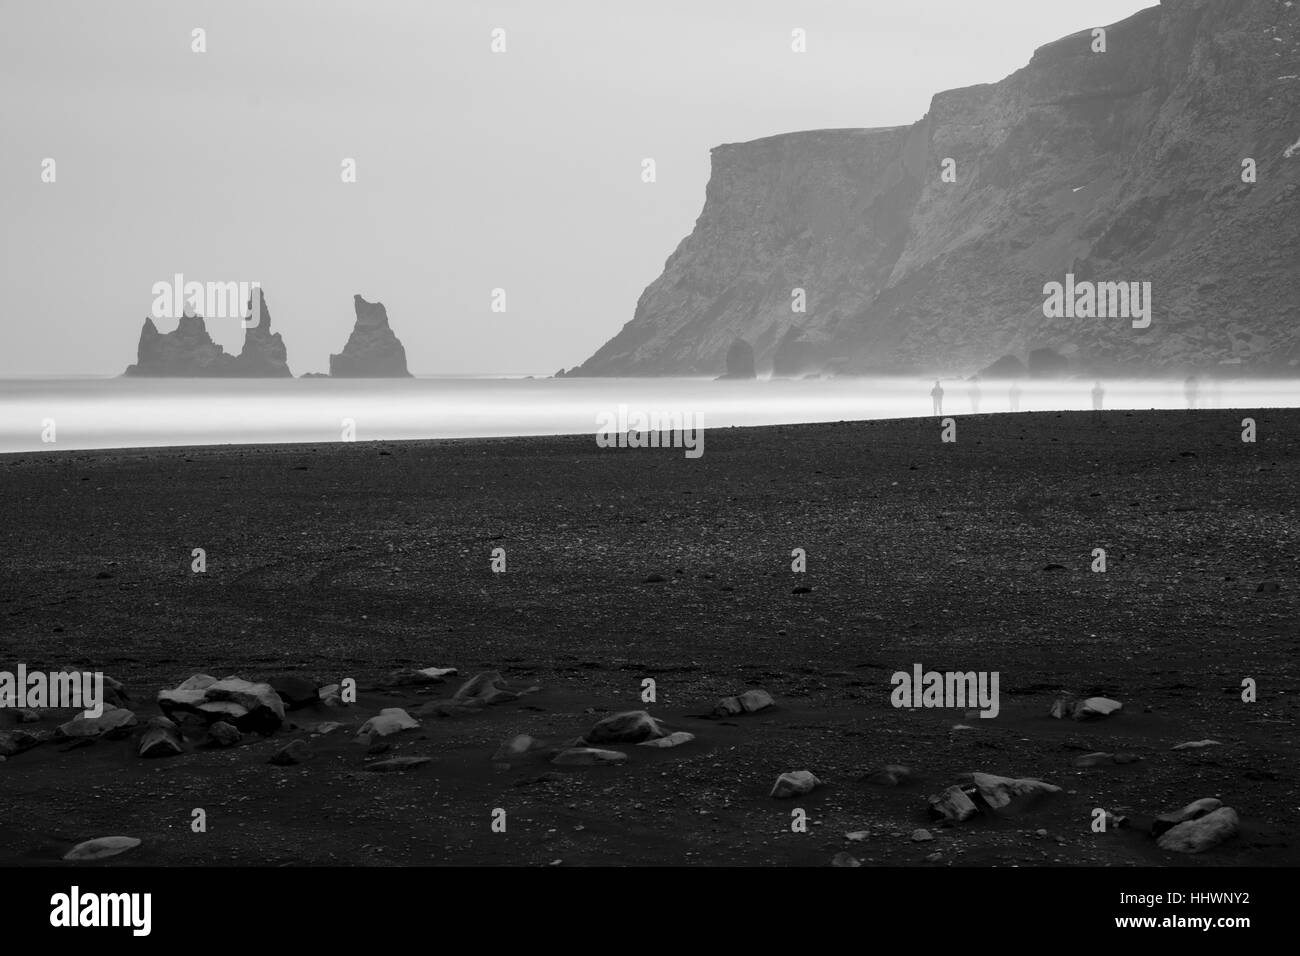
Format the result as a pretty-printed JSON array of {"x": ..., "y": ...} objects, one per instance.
[{"x": 1191, "y": 390}]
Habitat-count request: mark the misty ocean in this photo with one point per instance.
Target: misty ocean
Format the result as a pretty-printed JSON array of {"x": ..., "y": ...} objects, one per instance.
[{"x": 126, "y": 413}]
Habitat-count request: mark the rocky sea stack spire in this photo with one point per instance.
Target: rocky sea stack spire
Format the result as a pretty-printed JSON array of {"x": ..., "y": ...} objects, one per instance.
[
  {"x": 188, "y": 350},
  {"x": 372, "y": 350}
]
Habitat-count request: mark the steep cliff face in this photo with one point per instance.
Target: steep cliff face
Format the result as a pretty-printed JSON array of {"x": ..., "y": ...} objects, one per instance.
[
  {"x": 372, "y": 350},
  {"x": 1120, "y": 166},
  {"x": 188, "y": 350}
]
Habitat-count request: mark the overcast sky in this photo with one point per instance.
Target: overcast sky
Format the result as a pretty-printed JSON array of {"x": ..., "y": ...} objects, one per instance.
[{"x": 474, "y": 170}]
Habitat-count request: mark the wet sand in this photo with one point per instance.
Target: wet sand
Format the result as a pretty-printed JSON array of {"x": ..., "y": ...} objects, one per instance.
[{"x": 357, "y": 559}]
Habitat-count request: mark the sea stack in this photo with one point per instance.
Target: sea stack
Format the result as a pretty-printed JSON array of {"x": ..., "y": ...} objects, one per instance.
[
  {"x": 189, "y": 352},
  {"x": 372, "y": 350}
]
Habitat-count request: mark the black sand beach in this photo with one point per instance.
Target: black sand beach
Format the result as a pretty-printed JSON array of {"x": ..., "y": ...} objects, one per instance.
[{"x": 356, "y": 560}]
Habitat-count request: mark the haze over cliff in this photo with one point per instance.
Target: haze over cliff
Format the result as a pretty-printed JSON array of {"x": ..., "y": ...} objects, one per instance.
[{"x": 1124, "y": 165}]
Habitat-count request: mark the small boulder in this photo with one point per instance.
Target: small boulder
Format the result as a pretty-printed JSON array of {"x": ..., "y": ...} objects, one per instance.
[
  {"x": 1094, "y": 759},
  {"x": 112, "y": 723},
  {"x": 751, "y": 701},
  {"x": 1197, "y": 745},
  {"x": 921, "y": 836},
  {"x": 1202, "y": 833},
  {"x": 953, "y": 804},
  {"x": 675, "y": 739},
  {"x": 794, "y": 783},
  {"x": 1094, "y": 708},
  {"x": 390, "y": 720},
  {"x": 16, "y": 741},
  {"x": 999, "y": 792},
  {"x": 162, "y": 738},
  {"x": 1193, "y": 811},
  {"x": 488, "y": 687},
  {"x": 222, "y": 734},
  {"x": 294, "y": 752},
  {"x": 101, "y": 847},
  {"x": 845, "y": 859},
  {"x": 629, "y": 727}
]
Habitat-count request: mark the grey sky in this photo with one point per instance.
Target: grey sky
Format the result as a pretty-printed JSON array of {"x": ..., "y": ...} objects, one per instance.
[{"x": 518, "y": 170}]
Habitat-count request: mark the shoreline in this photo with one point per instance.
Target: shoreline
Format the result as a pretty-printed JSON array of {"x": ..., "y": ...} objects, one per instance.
[{"x": 359, "y": 559}]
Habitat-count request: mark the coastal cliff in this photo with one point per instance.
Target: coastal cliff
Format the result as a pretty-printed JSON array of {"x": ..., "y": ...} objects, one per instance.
[{"x": 1126, "y": 165}]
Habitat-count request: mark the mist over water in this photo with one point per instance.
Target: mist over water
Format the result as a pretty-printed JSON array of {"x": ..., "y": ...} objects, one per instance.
[{"x": 128, "y": 413}]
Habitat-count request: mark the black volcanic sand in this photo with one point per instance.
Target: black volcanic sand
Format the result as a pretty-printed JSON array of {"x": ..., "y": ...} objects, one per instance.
[{"x": 353, "y": 560}]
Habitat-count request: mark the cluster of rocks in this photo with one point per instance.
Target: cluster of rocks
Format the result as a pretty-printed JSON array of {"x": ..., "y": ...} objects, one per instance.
[{"x": 372, "y": 350}]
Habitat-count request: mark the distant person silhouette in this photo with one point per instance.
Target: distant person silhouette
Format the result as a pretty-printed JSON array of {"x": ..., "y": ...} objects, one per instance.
[
  {"x": 936, "y": 393},
  {"x": 1015, "y": 397},
  {"x": 1098, "y": 393},
  {"x": 1189, "y": 390},
  {"x": 975, "y": 395}
]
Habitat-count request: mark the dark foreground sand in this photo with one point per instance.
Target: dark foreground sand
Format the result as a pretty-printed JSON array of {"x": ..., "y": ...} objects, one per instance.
[{"x": 353, "y": 560}]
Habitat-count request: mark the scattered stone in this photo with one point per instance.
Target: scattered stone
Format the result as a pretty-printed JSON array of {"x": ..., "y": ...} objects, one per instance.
[
  {"x": 953, "y": 804},
  {"x": 115, "y": 692},
  {"x": 101, "y": 848},
  {"x": 489, "y": 687},
  {"x": 921, "y": 835},
  {"x": 1198, "y": 835},
  {"x": 329, "y": 695},
  {"x": 857, "y": 836},
  {"x": 1197, "y": 744},
  {"x": 1063, "y": 707},
  {"x": 794, "y": 783},
  {"x": 16, "y": 741},
  {"x": 296, "y": 692},
  {"x": 294, "y": 752},
  {"x": 398, "y": 764},
  {"x": 890, "y": 775},
  {"x": 390, "y": 720},
  {"x": 587, "y": 757},
  {"x": 629, "y": 727},
  {"x": 934, "y": 857},
  {"x": 999, "y": 792},
  {"x": 845, "y": 859},
  {"x": 1095, "y": 708},
  {"x": 675, "y": 739},
  {"x": 325, "y": 727},
  {"x": 751, "y": 701},
  {"x": 114, "y": 722},
  {"x": 1194, "y": 810},
  {"x": 222, "y": 734},
  {"x": 162, "y": 738},
  {"x": 247, "y": 705}
]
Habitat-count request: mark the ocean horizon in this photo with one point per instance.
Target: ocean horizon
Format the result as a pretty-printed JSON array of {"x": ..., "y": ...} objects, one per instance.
[{"x": 84, "y": 413}]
